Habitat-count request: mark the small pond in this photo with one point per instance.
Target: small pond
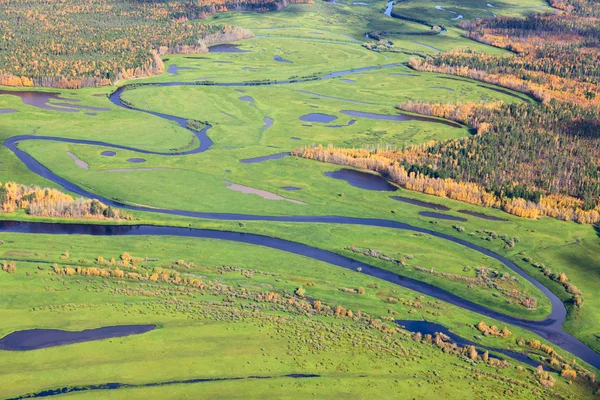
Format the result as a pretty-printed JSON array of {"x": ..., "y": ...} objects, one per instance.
[
  {"x": 33, "y": 339},
  {"x": 281, "y": 60},
  {"x": 481, "y": 215},
  {"x": 362, "y": 180},
  {"x": 174, "y": 69},
  {"x": 136, "y": 160},
  {"x": 421, "y": 203},
  {"x": 318, "y": 117},
  {"x": 226, "y": 48},
  {"x": 268, "y": 123}
]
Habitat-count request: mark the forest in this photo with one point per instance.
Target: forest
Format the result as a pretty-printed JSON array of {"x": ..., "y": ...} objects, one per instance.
[
  {"x": 97, "y": 43},
  {"x": 532, "y": 158}
]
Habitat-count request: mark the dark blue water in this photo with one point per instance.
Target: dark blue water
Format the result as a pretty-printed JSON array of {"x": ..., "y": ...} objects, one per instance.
[
  {"x": 174, "y": 69},
  {"x": 268, "y": 122},
  {"x": 318, "y": 117},
  {"x": 421, "y": 203},
  {"x": 114, "y": 386},
  {"x": 136, "y": 160},
  {"x": 281, "y": 60},
  {"x": 481, "y": 215},
  {"x": 34, "y": 339},
  {"x": 264, "y": 158},
  {"x": 362, "y": 180},
  {"x": 226, "y": 48},
  {"x": 400, "y": 118}
]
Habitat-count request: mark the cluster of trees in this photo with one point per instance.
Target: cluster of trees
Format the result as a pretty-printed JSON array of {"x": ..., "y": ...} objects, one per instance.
[
  {"x": 48, "y": 202},
  {"x": 380, "y": 255},
  {"x": 195, "y": 124},
  {"x": 380, "y": 161},
  {"x": 77, "y": 43}
]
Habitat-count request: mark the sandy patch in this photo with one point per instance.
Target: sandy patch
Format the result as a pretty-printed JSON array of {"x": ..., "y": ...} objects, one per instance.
[
  {"x": 262, "y": 193},
  {"x": 80, "y": 163}
]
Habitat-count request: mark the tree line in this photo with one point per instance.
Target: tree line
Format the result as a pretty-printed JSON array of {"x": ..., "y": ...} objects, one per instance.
[{"x": 47, "y": 202}]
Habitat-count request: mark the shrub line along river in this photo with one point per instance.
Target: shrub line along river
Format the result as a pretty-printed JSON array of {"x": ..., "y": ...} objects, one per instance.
[{"x": 550, "y": 328}]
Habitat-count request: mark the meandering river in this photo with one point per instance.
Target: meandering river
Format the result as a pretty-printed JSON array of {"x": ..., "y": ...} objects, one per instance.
[{"x": 549, "y": 328}]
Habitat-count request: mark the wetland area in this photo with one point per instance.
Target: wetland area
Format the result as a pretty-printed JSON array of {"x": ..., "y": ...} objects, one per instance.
[{"x": 207, "y": 231}]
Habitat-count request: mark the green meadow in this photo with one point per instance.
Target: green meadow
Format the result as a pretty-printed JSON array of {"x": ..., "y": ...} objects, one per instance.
[
  {"x": 199, "y": 335},
  {"x": 228, "y": 329}
]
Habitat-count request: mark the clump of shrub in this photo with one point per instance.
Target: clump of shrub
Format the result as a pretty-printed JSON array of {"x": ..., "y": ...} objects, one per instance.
[
  {"x": 459, "y": 228},
  {"x": 544, "y": 377},
  {"x": 10, "y": 267},
  {"x": 360, "y": 290},
  {"x": 195, "y": 124},
  {"x": 379, "y": 255},
  {"x": 493, "y": 330},
  {"x": 564, "y": 281}
]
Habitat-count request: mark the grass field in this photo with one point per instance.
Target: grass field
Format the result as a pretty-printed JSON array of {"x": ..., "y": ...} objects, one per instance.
[
  {"x": 229, "y": 330},
  {"x": 204, "y": 337}
]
